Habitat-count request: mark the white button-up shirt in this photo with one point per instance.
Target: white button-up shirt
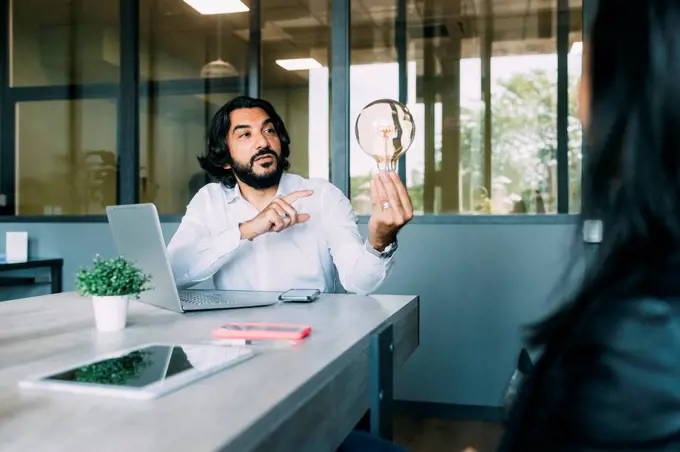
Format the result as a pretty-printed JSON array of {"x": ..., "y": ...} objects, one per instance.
[{"x": 208, "y": 243}]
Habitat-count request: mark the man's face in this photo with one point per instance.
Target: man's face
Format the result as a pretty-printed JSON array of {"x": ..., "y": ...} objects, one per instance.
[{"x": 255, "y": 148}]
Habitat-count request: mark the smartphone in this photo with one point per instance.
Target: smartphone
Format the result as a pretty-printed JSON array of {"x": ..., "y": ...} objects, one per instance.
[
  {"x": 300, "y": 295},
  {"x": 248, "y": 330}
]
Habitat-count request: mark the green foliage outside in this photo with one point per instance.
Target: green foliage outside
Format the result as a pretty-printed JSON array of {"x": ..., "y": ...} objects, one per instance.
[
  {"x": 523, "y": 143},
  {"x": 115, "y": 371},
  {"x": 112, "y": 277}
]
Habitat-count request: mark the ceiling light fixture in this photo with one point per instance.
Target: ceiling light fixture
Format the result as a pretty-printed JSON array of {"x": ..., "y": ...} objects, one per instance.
[
  {"x": 299, "y": 64},
  {"x": 206, "y": 7},
  {"x": 218, "y": 68}
]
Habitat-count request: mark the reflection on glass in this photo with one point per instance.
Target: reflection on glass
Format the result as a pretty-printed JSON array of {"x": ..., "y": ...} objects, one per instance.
[
  {"x": 178, "y": 41},
  {"x": 484, "y": 102},
  {"x": 123, "y": 371},
  {"x": 66, "y": 157},
  {"x": 172, "y": 135},
  {"x": 295, "y": 79},
  {"x": 61, "y": 43},
  {"x": 135, "y": 369},
  {"x": 152, "y": 365}
]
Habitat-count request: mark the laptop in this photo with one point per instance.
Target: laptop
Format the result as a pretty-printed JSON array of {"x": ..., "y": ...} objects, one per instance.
[{"x": 137, "y": 235}]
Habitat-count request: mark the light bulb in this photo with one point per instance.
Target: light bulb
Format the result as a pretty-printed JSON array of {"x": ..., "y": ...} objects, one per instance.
[{"x": 385, "y": 130}]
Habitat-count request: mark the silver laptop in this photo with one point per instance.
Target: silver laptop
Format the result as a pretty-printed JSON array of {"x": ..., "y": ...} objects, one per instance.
[{"x": 137, "y": 234}]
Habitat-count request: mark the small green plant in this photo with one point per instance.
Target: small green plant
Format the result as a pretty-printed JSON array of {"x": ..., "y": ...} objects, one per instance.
[{"x": 112, "y": 277}]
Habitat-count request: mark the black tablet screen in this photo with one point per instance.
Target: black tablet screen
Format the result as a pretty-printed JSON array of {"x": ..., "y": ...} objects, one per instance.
[{"x": 137, "y": 368}]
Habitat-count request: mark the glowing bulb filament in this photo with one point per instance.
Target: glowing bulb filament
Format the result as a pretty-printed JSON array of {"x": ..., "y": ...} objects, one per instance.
[{"x": 387, "y": 131}]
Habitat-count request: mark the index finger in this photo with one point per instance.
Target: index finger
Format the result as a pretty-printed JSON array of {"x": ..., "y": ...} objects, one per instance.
[{"x": 294, "y": 196}]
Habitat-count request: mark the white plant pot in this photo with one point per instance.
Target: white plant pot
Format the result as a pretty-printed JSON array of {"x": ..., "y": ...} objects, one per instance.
[{"x": 110, "y": 313}]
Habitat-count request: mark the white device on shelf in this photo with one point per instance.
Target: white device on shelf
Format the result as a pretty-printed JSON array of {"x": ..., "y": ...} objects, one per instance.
[
  {"x": 16, "y": 246},
  {"x": 144, "y": 372}
]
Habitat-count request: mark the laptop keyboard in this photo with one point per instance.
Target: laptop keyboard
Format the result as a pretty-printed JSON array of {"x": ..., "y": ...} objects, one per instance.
[{"x": 194, "y": 297}]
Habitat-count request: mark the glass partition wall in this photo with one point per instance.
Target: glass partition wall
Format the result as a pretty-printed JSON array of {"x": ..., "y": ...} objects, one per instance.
[{"x": 108, "y": 102}]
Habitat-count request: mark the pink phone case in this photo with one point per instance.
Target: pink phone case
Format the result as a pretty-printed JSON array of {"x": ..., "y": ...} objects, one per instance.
[{"x": 262, "y": 331}]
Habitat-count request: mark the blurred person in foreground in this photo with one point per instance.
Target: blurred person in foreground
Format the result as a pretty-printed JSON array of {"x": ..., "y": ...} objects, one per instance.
[{"x": 609, "y": 374}]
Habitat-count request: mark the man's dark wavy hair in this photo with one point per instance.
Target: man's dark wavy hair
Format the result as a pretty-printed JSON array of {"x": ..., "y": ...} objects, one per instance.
[{"x": 218, "y": 154}]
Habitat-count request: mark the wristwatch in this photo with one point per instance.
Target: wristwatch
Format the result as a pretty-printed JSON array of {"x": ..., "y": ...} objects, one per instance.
[{"x": 384, "y": 254}]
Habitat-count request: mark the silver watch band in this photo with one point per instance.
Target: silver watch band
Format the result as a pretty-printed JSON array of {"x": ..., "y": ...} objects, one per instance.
[{"x": 386, "y": 253}]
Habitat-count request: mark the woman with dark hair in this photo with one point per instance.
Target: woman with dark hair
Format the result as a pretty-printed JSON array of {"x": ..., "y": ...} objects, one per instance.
[{"x": 609, "y": 374}]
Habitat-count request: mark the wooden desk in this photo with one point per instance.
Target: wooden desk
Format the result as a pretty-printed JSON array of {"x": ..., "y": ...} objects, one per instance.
[
  {"x": 305, "y": 398},
  {"x": 55, "y": 266}
]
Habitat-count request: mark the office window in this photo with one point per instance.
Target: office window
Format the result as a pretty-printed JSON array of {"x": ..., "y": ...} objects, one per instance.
[
  {"x": 374, "y": 74},
  {"x": 61, "y": 43},
  {"x": 65, "y": 157},
  {"x": 172, "y": 134},
  {"x": 192, "y": 60},
  {"x": 482, "y": 87},
  {"x": 492, "y": 98},
  {"x": 179, "y": 41},
  {"x": 295, "y": 78},
  {"x": 482, "y": 79},
  {"x": 575, "y": 129}
]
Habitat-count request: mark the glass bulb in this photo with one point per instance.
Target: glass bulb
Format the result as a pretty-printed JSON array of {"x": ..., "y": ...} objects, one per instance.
[{"x": 385, "y": 130}]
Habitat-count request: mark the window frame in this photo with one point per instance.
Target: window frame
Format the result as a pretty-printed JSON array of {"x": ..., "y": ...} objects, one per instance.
[{"x": 129, "y": 92}]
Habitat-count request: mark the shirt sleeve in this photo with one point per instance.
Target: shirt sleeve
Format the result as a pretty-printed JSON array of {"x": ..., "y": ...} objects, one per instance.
[
  {"x": 623, "y": 391},
  {"x": 195, "y": 252},
  {"x": 359, "y": 270}
]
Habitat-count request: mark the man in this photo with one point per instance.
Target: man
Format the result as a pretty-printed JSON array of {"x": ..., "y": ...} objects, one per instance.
[{"x": 262, "y": 228}]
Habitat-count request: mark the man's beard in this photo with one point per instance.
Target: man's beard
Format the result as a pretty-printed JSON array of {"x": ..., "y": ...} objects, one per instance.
[{"x": 247, "y": 174}]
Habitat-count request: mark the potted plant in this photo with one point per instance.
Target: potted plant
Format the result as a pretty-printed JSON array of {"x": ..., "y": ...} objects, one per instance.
[{"x": 111, "y": 283}]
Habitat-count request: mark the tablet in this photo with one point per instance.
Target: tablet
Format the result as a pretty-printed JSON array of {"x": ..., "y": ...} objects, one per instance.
[{"x": 145, "y": 372}]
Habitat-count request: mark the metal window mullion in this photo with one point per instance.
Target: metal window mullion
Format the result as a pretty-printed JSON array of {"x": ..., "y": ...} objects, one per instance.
[
  {"x": 400, "y": 43},
  {"x": 340, "y": 99},
  {"x": 128, "y": 104},
  {"x": 587, "y": 12},
  {"x": 255, "y": 49},
  {"x": 7, "y": 117},
  {"x": 485, "y": 84},
  {"x": 562, "y": 106}
]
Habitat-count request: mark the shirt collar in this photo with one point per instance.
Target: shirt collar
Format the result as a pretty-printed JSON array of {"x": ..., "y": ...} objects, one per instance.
[
  {"x": 285, "y": 187},
  {"x": 233, "y": 193}
]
